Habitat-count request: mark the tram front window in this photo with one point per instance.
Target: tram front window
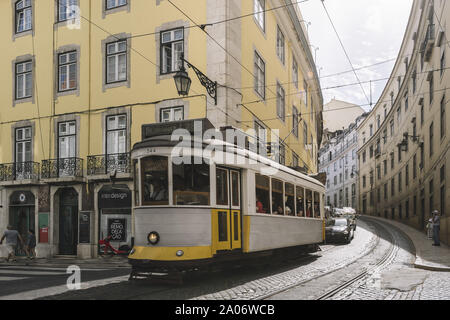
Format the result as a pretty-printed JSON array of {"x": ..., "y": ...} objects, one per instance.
[
  {"x": 262, "y": 194},
  {"x": 191, "y": 184},
  {"x": 155, "y": 185}
]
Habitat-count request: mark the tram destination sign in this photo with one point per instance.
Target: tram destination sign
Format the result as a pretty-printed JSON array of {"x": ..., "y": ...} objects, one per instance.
[{"x": 166, "y": 129}]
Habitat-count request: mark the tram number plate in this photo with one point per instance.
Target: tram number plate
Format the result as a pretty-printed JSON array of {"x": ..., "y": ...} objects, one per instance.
[{"x": 117, "y": 229}]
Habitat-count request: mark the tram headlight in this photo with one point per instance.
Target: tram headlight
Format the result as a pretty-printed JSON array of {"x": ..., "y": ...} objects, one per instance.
[
  {"x": 153, "y": 237},
  {"x": 180, "y": 253}
]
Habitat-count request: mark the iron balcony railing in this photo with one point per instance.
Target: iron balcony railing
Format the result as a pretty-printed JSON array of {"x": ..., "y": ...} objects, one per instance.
[
  {"x": 58, "y": 168},
  {"x": 19, "y": 171},
  {"x": 109, "y": 163}
]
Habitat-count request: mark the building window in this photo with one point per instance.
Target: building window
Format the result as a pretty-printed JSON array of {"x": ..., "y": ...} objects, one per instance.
[
  {"x": 172, "y": 114},
  {"x": 66, "y": 9},
  {"x": 111, "y": 4},
  {"x": 442, "y": 62},
  {"x": 24, "y": 16},
  {"x": 422, "y": 115},
  {"x": 67, "y": 139},
  {"x": 295, "y": 161},
  {"x": 431, "y": 83},
  {"x": 414, "y": 81},
  {"x": 67, "y": 71},
  {"x": 305, "y": 137},
  {"x": 260, "y": 76},
  {"x": 24, "y": 80},
  {"x": 295, "y": 72},
  {"x": 172, "y": 48},
  {"x": 415, "y": 166},
  {"x": 116, "y": 61},
  {"x": 116, "y": 134},
  {"x": 259, "y": 13},
  {"x": 431, "y": 139},
  {"x": 280, "y": 45},
  {"x": 23, "y": 145},
  {"x": 295, "y": 121},
  {"x": 261, "y": 137},
  {"x": 443, "y": 123},
  {"x": 282, "y": 156},
  {"x": 280, "y": 102},
  {"x": 400, "y": 181}
]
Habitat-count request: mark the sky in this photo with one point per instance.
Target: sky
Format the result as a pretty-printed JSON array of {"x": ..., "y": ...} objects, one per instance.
[{"x": 371, "y": 31}]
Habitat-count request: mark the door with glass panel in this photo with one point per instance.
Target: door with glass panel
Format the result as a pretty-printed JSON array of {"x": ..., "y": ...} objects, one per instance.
[
  {"x": 23, "y": 154},
  {"x": 227, "y": 223},
  {"x": 67, "y": 148},
  {"x": 116, "y": 143}
]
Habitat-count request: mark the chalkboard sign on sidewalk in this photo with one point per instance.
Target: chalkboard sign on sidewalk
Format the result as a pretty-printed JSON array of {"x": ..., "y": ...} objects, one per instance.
[
  {"x": 85, "y": 227},
  {"x": 117, "y": 229}
]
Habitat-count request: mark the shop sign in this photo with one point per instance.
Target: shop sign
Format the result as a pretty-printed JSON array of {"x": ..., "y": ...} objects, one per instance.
[
  {"x": 117, "y": 196},
  {"x": 117, "y": 229}
]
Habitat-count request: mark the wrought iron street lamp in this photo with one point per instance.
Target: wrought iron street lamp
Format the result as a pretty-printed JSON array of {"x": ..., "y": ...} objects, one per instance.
[{"x": 183, "y": 82}]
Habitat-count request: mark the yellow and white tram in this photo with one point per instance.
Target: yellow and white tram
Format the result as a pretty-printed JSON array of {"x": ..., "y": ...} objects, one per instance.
[{"x": 211, "y": 209}]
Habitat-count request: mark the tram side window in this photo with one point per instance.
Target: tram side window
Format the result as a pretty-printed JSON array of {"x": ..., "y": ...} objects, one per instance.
[
  {"x": 300, "y": 198},
  {"x": 309, "y": 204},
  {"x": 155, "y": 184},
  {"x": 277, "y": 197},
  {"x": 316, "y": 205},
  {"x": 262, "y": 194},
  {"x": 191, "y": 183},
  {"x": 289, "y": 200}
]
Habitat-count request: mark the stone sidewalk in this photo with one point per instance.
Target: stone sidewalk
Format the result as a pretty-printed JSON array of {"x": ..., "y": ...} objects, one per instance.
[
  {"x": 108, "y": 262},
  {"x": 428, "y": 257}
]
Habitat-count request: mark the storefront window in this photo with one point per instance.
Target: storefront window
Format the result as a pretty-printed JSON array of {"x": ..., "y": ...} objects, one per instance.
[
  {"x": 191, "y": 184},
  {"x": 300, "y": 199},
  {"x": 277, "y": 197},
  {"x": 309, "y": 204},
  {"x": 289, "y": 200},
  {"x": 262, "y": 194},
  {"x": 155, "y": 185}
]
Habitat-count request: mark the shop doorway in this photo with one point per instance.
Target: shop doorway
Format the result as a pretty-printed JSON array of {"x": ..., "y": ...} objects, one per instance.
[
  {"x": 68, "y": 221},
  {"x": 114, "y": 204},
  {"x": 22, "y": 215}
]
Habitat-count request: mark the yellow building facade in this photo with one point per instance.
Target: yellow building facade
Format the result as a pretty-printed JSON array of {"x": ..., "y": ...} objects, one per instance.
[{"x": 80, "y": 78}]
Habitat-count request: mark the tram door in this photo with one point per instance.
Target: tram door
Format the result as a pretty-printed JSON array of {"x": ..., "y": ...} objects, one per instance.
[{"x": 227, "y": 223}]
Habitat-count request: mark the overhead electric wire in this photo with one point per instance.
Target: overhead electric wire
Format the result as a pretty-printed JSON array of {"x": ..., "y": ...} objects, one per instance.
[{"x": 345, "y": 51}]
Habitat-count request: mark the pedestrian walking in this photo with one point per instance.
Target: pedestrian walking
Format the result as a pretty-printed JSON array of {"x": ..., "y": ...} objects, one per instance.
[
  {"x": 12, "y": 237},
  {"x": 31, "y": 245},
  {"x": 436, "y": 228}
]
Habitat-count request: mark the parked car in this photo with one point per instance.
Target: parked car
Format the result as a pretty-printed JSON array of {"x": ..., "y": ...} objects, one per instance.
[
  {"x": 339, "y": 229},
  {"x": 350, "y": 214}
]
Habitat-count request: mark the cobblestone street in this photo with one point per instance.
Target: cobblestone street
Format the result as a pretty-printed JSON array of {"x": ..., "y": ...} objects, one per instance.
[{"x": 306, "y": 278}]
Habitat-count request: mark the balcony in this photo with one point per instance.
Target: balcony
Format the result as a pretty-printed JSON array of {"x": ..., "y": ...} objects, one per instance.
[
  {"x": 19, "y": 173},
  {"x": 66, "y": 169},
  {"x": 117, "y": 164},
  {"x": 428, "y": 43}
]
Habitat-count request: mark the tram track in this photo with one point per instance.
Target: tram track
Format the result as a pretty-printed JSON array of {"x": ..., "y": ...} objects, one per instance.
[{"x": 366, "y": 271}]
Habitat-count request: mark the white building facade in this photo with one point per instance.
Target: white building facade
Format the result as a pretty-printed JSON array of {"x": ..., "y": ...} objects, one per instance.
[{"x": 338, "y": 159}]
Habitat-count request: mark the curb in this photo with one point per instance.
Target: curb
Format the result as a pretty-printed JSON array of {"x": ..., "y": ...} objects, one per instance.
[{"x": 418, "y": 264}]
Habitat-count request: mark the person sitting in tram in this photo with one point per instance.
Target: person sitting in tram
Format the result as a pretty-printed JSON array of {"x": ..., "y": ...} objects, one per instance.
[
  {"x": 259, "y": 207},
  {"x": 278, "y": 211}
]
